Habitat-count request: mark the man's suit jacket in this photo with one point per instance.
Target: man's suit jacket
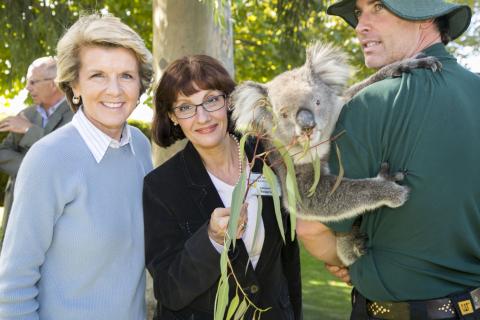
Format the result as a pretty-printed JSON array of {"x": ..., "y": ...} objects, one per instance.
[
  {"x": 14, "y": 147},
  {"x": 179, "y": 198}
]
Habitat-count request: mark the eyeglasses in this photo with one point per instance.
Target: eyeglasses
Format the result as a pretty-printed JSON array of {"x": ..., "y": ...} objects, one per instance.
[
  {"x": 34, "y": 82},
  {"x": 212, "y": 103}
]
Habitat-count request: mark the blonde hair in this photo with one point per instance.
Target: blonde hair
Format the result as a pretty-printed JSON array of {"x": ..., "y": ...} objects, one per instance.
[{"x": 103, "y": 31}]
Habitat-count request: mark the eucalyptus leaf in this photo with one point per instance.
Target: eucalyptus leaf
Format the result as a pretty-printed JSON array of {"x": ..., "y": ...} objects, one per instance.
[
  {"x": 242, "y": 308},
  {"x": 224, "y": 261},
  {"x": 316, "y": 176},
  {"x": 287, "y": 159},
  {"x": 221, "y": 299},
  {"x": 243, "y": 139},
  {"x": 258, "y": 219},
  {"x": 306, "y": 148},
  {"x": 293, "y": 226},
  {"x": 237, "y": 200},
  {"x": 341, "y": 172},
  {"x": 292, "y": 203},
  {"x": 233, "y": 306},
  {"x": 272, "y": 182}
]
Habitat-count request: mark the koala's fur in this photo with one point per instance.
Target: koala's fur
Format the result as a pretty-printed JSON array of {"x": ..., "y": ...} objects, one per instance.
[{"x": 304, "y": 104}]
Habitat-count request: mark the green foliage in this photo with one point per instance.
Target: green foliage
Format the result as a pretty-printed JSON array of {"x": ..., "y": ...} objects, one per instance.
[
  {"x": 271, "y": 180},
  {"x": 271, "y": 36},
  {"x": 145, "y": 127},
  {"x": 32, "y": 29},
  {"x": 316, "y": 176}
]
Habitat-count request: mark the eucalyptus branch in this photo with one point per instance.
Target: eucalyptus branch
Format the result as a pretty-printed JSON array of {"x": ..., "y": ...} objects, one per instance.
[{"x": 241, "y": 289}]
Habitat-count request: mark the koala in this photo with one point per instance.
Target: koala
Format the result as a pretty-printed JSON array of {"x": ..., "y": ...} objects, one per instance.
[{"x": 300, "y": 108}]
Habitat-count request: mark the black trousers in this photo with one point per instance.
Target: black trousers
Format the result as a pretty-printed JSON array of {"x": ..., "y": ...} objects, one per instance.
[{"x": 418, "y": 310}]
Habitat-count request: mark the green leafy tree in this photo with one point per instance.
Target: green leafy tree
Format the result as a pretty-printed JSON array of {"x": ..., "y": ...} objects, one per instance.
[
  {"x": 269, "y": 35},
  {"x": 33, "y": 27}
]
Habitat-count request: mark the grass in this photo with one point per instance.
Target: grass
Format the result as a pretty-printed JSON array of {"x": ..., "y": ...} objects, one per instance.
[{"x": 324, "y": 297}]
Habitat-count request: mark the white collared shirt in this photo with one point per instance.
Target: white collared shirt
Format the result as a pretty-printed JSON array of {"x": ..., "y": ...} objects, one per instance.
[
  {"x": 254, "y": 249},
  {"x": 97, "y": 141}
]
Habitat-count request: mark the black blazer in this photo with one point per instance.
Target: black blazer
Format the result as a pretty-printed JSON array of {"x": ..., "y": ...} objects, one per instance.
[{"x": 178, "y": 199}]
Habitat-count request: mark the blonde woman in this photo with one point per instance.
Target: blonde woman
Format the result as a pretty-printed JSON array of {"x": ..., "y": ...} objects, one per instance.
[{"x": 74, "y": 248}]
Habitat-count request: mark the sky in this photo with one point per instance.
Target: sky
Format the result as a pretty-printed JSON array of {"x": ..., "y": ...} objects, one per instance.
[{"x": 472, "y": 63}]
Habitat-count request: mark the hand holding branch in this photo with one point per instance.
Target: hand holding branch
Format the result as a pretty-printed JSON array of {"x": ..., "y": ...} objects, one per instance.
[{"x": 218, "y": 226}]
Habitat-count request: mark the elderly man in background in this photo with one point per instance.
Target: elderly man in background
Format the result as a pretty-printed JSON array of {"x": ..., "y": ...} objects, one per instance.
[
  {"x": 422, "y": 259},
  {"x": 50, "y": 112}
]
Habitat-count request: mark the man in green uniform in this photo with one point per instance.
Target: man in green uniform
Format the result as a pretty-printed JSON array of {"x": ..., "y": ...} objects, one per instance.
[{"x": 422, "y": 259}]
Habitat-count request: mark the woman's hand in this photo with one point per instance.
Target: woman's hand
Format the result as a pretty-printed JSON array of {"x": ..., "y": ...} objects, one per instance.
[{"x": 217, "y": 228}]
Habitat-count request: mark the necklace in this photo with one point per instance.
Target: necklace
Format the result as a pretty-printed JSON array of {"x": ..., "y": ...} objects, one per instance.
[{"x": 239, "y": 155}]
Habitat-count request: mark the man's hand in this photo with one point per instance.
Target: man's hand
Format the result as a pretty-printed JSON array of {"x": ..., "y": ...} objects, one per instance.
[
  {"x": 17, "y": 124},
  {"x": 218, "y": 225},
  {"x": 340, "y": 272}
]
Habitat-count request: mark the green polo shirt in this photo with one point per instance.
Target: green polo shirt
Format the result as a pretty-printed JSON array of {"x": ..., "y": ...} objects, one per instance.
[{"x": 429, "y": 124}]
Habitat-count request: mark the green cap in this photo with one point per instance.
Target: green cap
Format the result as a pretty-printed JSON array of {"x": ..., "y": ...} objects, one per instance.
[{"x": 458, "y": 16}]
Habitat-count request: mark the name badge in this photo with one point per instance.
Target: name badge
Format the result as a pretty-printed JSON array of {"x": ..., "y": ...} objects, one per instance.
[{"x": 260, "y": 186}]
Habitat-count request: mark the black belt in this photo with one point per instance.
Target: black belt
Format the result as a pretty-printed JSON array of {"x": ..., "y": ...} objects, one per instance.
[{"x": 445, "y": 308}]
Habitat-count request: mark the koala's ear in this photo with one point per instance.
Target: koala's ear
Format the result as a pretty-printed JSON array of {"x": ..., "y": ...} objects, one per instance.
[
  {"x": 252, "y": 110},
  {"x": 329, "y": 65}
]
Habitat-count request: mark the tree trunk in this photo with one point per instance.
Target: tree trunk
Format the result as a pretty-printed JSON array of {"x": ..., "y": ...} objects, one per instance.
[{"x": 185, "y": 27}]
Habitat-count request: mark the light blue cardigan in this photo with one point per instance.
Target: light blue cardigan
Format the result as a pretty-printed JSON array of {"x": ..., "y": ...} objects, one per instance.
[{"x": 74, "y": 247}]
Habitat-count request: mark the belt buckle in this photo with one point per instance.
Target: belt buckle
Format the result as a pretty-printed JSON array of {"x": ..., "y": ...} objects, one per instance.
[{"x": 465, "y": 307}]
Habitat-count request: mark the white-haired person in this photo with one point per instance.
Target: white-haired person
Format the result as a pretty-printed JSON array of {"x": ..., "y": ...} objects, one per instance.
[{"x": 74, "y": 247}]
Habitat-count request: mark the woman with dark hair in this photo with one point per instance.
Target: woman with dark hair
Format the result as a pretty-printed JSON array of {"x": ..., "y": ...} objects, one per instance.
[{"x": 187, "y": 205}]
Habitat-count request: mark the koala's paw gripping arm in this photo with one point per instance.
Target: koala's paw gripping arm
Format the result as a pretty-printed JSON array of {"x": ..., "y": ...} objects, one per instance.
[
  {"x": 385, "y": 173},
  {"x": 351, "y": 246},
  {"x": 406, "y": 66},
  {"x": 395, "y": 70}
]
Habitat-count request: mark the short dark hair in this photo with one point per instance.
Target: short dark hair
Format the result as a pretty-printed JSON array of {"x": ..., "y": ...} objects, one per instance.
[
  {"x": 444, "y": 29},
  {"x": 186, "y": 76}
]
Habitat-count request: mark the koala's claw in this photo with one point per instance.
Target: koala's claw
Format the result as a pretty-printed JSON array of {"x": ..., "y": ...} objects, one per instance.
[
  {"x": 384, "y": 169},
  {"x": 360, "y": 244},
  {"x": 406, "y": 66},
  {"x": 431, "y": 63},
  {"x": 399, "y": 176},
  {"x": 428, "y": 62},
  {"x": 385, "y": 173}
]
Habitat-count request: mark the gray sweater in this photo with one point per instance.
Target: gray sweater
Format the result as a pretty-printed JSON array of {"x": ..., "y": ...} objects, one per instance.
[{"x": 74, "y": 247}]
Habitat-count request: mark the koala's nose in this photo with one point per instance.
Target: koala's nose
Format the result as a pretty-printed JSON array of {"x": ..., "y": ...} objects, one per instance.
[{"x": 305, "y": 119}]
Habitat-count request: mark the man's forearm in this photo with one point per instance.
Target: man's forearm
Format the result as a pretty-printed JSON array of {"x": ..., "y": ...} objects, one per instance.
[{"x": 318, "y": 240}]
